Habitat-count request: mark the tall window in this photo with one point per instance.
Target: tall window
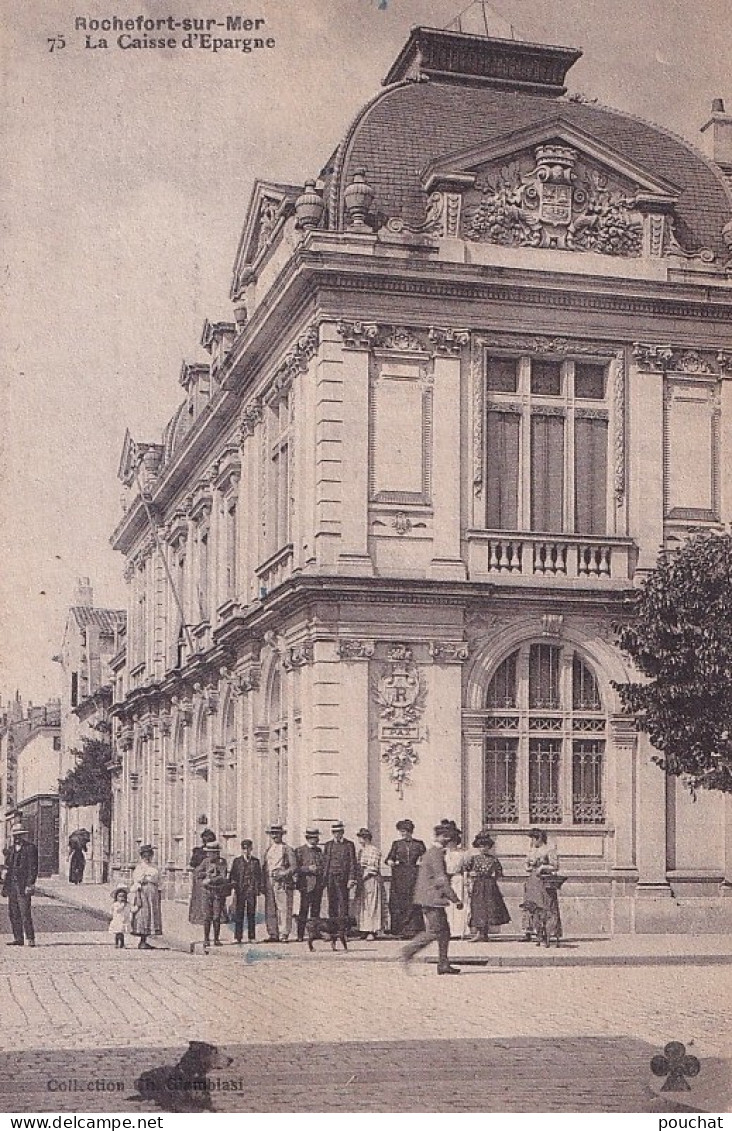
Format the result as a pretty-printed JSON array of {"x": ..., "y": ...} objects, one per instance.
[
  {"x": 280, "y": 485},
  {"x": 544, "y": 744},
  {"x": 231, "y": 547},
  {"x": 203, "y": 579},
  {"x": 546, "y": 438},
  {"x": 230, "y": 806}
]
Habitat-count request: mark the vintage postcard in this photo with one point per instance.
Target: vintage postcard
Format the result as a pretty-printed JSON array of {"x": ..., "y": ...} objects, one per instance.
[{"x": 360, "y": 358}]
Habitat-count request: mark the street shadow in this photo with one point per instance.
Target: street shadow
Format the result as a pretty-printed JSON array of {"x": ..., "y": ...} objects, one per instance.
[{"x": 539, "y": 1074}]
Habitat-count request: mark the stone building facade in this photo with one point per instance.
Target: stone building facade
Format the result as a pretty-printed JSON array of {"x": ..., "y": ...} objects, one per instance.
[
  {"x": 92, "y": 637},
  {"x": 30, "y": 761},
  {"x": 479, "y": 372}
]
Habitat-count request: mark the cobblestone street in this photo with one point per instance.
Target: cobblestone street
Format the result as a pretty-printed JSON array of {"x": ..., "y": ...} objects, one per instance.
[{"x": 350, "y": 1034}]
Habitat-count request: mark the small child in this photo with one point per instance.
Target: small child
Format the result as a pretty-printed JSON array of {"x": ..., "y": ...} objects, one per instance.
[{"x": 121, "y": 915}]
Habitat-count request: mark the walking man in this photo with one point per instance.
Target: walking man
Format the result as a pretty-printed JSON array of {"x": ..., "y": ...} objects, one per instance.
[
  {"x": 340, "y": 873},
  {"x": 19, "y": 884},
  {"x": 246, "y": 883},
  {"x": 433, "y": 893},
  {"x": 310, "y": 869},
  {"x": 279, "y": 869}
]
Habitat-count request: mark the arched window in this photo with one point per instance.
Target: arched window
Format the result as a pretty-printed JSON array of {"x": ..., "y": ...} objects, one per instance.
[{"x": 544, "y": 740}]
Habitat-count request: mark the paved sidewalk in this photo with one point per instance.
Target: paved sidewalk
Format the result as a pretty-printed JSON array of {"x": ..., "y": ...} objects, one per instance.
[{"x": 505, "y": 951}]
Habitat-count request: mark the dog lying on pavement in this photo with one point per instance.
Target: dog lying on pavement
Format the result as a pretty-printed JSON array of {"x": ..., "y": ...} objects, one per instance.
[
  {"x": 182, "y": 1086},
  {"x": 333, "y": 929}
]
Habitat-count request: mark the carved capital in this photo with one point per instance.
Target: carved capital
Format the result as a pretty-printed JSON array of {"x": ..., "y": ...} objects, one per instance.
[
  {"x": 448, "y": 341},
  {"x": 298, "y": 656},
  {"x": 400, "y": 652},
  {"x": 296, "y": 361},
  {"x": 350, "y": 649},
  {"x": 448, "y": 651},
  {"x": 652, "y": 358},
  {"x": 251, "y": 416},
  {"x": 357, "y": 335},
  {"x": 184, "y": 707},
  {"x": 209, "y": 695}
]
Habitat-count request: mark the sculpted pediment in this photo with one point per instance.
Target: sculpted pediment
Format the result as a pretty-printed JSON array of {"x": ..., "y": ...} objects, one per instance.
[
  {"x": 269, "y": 206},
  {"x": 552, "y": 186}
]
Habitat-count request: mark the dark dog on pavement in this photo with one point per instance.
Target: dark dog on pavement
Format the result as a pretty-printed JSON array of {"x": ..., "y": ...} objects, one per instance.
[
  {"x": 183, "y": 1086},
  {"x": 334, "y": 929}
]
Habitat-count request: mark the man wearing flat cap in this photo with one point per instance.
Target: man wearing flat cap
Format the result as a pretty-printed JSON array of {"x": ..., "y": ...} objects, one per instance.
[
  {"x": 310, "y": 869},
  {"x": 278, "y": 872},
  {"x": 340, "y": 873},
  {"x": 18, "y": 885},
  {"x": 433, "y": 893}
]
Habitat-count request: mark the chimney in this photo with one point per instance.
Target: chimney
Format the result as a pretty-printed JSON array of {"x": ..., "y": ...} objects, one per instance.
[
  {"x": 717, "y": 133},
  {"x": 83, "y": 594}
]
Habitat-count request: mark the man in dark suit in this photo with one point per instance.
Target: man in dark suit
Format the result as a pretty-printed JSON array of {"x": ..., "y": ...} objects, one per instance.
[
  {"x": 310, "y": 868},
  {"x": 246, "y": 885},
  {"x": 340, "y": 873},
  {"x": 433, "y": 893},
  {"x": 18, "y": 885}
]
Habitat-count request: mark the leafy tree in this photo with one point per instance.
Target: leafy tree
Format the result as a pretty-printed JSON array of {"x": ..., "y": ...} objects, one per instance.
[
  {"x": 680, "y": 638},
  {"x": 90, "y": 781}
]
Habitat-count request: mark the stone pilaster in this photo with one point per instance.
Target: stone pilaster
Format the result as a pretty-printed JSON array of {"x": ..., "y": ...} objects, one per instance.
[{"x": 446, "y": 478}]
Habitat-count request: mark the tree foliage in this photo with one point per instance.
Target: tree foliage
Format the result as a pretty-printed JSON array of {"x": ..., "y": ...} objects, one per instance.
[
  {"x": 90, "y": 781},
  {"x": 680, "y": 639}
]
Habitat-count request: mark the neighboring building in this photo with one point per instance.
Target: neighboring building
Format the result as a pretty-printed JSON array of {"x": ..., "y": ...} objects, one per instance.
[
  {"x": 30, "y": 766},
  {"x": 91, "y": 638},
  {"x": 480, "y": 372}
]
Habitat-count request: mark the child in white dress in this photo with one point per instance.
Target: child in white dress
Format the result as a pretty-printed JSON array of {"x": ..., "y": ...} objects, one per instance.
[{"x": 119, "y": 924}]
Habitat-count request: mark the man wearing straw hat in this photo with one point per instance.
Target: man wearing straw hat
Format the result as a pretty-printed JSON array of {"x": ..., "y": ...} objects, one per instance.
[
  {"x": 278, "y": 871},
  {"x": 19, "y": 885}
]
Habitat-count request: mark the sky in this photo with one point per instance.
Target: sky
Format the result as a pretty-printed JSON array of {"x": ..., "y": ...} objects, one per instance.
[{"x": 123, "y": 192}]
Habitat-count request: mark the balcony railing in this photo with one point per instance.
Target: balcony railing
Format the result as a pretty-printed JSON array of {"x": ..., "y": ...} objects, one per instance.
[
  {"x": 275, "y": 570},
  {"x": 512, "y": 555}
]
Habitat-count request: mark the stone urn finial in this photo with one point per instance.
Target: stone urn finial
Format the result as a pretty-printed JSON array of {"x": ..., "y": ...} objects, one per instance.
[
  {"x": 309, "y": 207},
  {"x": 358, "y": 197}
]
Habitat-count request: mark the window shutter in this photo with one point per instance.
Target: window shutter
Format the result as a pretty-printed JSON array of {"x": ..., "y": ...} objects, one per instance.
[
  {"x": 590, "y": 476},
  {"x": 547, "y": 473},
  {"x": 502, "y": 431}
]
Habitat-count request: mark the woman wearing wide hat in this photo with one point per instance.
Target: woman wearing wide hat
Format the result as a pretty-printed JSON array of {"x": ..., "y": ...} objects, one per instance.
[
  {"x": 404, "y": 856},
  {"x": 145, "y": 891},
  {"x": 487, "y": 909}
]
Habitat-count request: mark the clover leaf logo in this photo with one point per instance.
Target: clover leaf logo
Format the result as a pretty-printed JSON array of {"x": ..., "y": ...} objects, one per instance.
[{"x": 676, "y": 1064}]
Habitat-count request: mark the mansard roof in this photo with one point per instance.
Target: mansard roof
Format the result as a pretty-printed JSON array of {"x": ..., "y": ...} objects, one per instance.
[{"x": 422, "y": 119}]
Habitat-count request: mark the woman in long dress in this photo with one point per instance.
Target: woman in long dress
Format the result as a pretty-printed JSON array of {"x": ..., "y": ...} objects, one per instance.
[
  {"x": 457, "y": 862},
  {"x": 369, "y": 905},
  {"x": 541, "y": 901},
  {"x": 77, "y": 862},
  {"x": 145, "y": 891},
  {"x": 487, "y": 909},
  {"x": 197, "y": 905},
  {"x": 404, "y": 856}
]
